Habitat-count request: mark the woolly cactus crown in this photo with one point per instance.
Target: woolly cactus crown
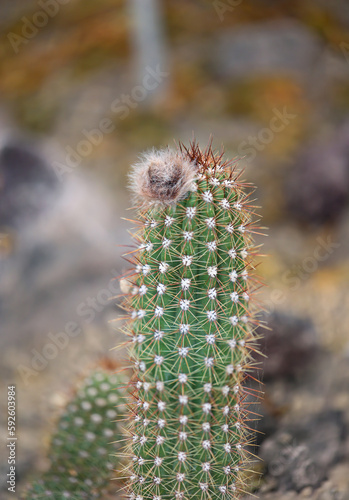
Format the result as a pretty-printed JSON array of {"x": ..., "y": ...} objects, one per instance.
[{"x": 162, "y": 177}]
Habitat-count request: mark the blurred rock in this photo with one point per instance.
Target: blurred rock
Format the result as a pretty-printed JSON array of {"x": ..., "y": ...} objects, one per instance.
[
  {"x": 317, "y": 187},
  {"x": 64, "y": 261},
  {"x": 303, "y": 433},
  {"x": 27, "y": 185},
  {"x": 290, "y": 345},
  {"x": 266, "y": 48},
  {"x": 301, "y": 454}
]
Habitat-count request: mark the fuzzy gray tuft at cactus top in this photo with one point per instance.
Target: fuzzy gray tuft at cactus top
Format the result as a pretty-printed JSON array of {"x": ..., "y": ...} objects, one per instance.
[{"x": 191, "y": 315}]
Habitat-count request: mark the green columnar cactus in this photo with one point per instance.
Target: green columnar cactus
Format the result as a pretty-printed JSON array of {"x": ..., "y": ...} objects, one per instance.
[
  {"x": 191, "y": 325},
  {"x": 82, "y": 447}
]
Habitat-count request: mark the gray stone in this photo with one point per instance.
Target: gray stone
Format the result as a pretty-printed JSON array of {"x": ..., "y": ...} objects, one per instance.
[
  {"x": 317, "y": 187},
  {"x": 268, "y": 47},
  {"x": 290, "y": 344},
  {"x": 304, "y": 460},
  {"x": 27, "y": 184}
]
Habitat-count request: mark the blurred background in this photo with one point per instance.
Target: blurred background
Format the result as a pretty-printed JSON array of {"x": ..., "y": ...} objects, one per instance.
[{"x": 85, "y": 86}]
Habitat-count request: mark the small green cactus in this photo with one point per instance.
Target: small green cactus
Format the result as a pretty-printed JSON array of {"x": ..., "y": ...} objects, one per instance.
[
  {"x": 191, "y": 321},
  {"x": 82, "y": 448}
]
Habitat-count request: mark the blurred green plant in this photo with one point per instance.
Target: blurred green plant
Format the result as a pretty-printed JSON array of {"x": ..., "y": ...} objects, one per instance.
[{"x": 82, "y": 451}]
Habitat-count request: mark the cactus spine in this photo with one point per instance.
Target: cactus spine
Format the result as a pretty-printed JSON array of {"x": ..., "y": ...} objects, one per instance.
[
  {"x": 191, "y": 326},
  {"x": 81, "y": 448}
]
